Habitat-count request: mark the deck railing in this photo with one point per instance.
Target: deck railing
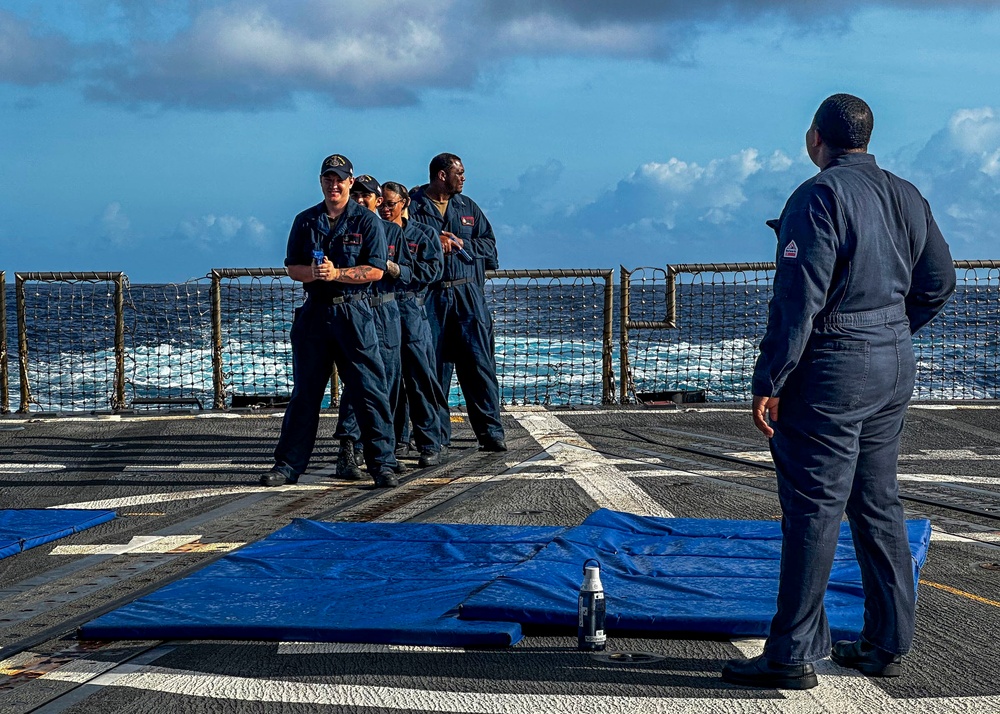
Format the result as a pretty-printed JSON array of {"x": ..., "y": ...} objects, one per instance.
[
  {"x": 696, "y": 327},
  {"x": 93, "y": 342}
]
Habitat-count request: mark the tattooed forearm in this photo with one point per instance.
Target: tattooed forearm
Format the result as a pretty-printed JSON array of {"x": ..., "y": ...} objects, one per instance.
[{"x": 359, "y": 274}]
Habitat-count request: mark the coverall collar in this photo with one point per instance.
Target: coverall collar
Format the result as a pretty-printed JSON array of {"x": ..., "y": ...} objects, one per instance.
[{"x": 853, "y": 159}]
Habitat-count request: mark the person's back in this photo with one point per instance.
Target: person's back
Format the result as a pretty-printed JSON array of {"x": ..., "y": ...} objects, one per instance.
[{"x": 861, "y": 265}]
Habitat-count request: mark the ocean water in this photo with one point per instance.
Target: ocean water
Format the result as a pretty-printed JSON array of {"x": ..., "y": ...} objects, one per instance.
[{"x": 549, "y": 342}]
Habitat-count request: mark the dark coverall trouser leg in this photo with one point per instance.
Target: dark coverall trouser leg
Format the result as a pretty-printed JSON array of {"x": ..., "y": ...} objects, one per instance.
[
  {"x": 835, "y": 447},
  {"x": 461, "y": 327},
  {"x": 387, "y": 332},
  {"x": 421, "y": 389},
  {"x": 321, "y": 336}
]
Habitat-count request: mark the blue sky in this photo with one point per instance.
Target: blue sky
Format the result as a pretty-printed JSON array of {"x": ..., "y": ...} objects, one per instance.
[{"x": 168, "y": 137}]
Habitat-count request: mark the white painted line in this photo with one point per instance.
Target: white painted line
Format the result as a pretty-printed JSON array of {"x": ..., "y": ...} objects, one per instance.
[
  {"x": 25, "y": 468},
  {"x": 126, "y": 501},
  {"x": 948, "y": 455},
  {"x": 147, "y": 544},
  {"x": 315, "y": 648},
  {"x": 840, "y": 692},
  {"x": 197, "y": 466},
  {"x": 595, "y": 473},
  {"x": 950, "y": 478}
]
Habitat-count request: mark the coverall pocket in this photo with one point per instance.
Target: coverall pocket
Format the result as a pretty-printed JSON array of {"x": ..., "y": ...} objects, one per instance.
[{"x": 835, "y": 373}]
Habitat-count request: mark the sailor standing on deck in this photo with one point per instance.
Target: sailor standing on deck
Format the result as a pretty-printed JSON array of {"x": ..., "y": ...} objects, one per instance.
[
  {"x": 861, "y": 266},
  {"x": 367, "y": 192},
  {"x": 461, "y": 324},
  {"x": 422, "y": 392},
  {"x": 335, "y": 325}
]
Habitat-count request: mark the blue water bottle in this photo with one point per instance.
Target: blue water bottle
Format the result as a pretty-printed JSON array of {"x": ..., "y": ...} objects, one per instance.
[
  {"x": 318, "y": 257},
  {"x": 591, "y": 609}
]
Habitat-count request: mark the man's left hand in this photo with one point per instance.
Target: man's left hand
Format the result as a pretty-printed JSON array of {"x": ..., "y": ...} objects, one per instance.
[{"x": 762, "y": 405}]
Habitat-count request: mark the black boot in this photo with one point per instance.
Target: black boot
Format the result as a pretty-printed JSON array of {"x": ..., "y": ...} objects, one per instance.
[
  {"x": 867, "y": 659},
  {"x": 347, "y": 464},
  {"x": 762, "y": 673}
]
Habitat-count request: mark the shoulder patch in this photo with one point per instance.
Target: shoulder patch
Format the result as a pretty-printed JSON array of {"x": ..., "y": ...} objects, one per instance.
[
  {"x": 791, "y": 250},
  {"x": 468, "y": 220},
  {"x": 352, "y": 239}
]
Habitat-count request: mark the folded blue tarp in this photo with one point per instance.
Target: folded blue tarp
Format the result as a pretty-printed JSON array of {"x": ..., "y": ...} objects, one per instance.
[
  {"x": 339, "y": 582},
  {"x": 22, "y": 529},
  {"x": 673, "y": 575}
]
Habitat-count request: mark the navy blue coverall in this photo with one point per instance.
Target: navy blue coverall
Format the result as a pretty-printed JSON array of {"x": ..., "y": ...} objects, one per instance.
[
  {"x": 335, "y": 325},
  {"x": 861, "y": 266},
  {"x": 423, "y": 397},
  {"x": 384, "y": 303},
  {"x": 460, "y": 321}
]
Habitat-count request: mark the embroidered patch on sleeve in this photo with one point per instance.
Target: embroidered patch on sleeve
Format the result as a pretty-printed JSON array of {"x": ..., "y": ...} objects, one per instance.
[
  {"x": 392, "y": 251},
  {"x": 413, "y": 247},
  {"x": 791, "y": 251},
  {"x": 352, "y": 239},
  {"x": 468, "y": 220}
]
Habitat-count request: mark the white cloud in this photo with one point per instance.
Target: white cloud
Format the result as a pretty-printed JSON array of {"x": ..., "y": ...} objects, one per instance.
[
  {"x": 675, "y": 211},
  {"x": 114, "y": 225},
  {"x": 210, "y": 231},
  {"x": 252, "y": 54}
]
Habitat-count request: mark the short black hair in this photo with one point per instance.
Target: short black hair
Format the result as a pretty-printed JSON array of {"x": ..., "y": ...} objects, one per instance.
[
  {"x": 845, "y": 122},
  {"x": 442, "y": 162}
]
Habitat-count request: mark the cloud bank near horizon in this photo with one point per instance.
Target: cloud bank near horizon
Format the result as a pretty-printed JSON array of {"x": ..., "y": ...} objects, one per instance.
[
  {"x": 248, "y": 56},
  {"x": 675, "y": 211}
]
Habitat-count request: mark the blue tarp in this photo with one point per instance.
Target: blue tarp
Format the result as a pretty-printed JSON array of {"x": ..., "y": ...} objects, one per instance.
[
  {"x": 339, "y": 582},
  {"x": 462, "y": 585},
  {"x": 673, "y": 575},
  {"x": 22, "y": 529}
]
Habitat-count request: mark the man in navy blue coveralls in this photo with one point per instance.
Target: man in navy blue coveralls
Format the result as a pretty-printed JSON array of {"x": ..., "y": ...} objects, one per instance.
[
  {"x": 335, "y": 325},
  {"x": 460, "y": 321},
  {"x": 367, "y": 192},
  {"x": 861, "y": 266}
]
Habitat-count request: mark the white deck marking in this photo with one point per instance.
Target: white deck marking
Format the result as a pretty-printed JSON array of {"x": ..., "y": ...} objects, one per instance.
[
  {"x": 197, "y": 466},
  {"x": 11, "y": 468},
  {"x": 185, "y": 495},
  {"x": 314, "y": 648},
  {"x": 594, "y": 472},
  {"x": 147, "y": 544},
  {"x": 948, "y": 455},
  {"x": 840, "y": 691}
]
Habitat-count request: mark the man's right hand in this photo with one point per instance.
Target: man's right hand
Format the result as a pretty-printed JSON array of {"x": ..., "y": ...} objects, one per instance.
[
  {"x": 323, "y": 271},
  {"x": 449, "y": 239},
  {"x": 762, "y": 406}
]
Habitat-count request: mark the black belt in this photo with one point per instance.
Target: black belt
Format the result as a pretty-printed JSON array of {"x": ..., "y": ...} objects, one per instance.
[
  {"x": 403, "y": 297},
  {"x": 453, "y": 283},
  {"x": 382, "y": 299},
  {"x": 353, "y": 297}
]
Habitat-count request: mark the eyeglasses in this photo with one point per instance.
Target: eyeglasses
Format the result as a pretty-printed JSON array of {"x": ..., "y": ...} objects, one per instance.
[{"x": 390, "y": 205}]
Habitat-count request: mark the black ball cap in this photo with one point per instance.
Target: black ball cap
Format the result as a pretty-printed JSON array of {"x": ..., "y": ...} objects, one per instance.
[
  {"x": 337, "y": 164},
  {"x": 365, "y": 182}
]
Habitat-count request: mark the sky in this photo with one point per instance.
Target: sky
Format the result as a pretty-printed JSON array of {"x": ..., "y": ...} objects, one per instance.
[{"x": 165, "y": 138}]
